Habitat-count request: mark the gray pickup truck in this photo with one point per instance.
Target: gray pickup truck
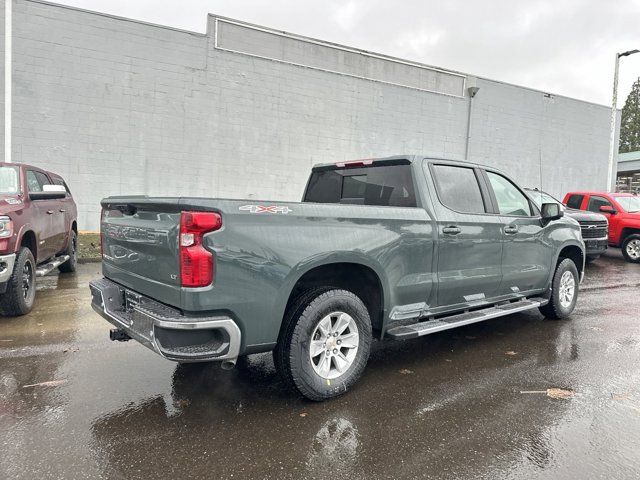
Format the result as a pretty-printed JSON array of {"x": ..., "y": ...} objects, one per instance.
[{"x": 393, "y": 248}]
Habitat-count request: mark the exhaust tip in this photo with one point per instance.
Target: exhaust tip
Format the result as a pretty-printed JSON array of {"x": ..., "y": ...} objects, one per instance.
[{"x": 228, "y": 364}]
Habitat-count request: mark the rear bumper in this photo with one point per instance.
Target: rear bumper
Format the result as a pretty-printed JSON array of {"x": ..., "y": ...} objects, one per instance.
[
  {"x": 6, "y": 266},
  {"x": 164, "y": 329}
]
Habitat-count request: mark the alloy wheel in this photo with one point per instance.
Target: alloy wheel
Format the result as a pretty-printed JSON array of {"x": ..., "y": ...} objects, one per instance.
[
  {"x": 633, "y": 249},
  {"x": 567, "y": 289},
  {"x": 27, "y": 279},
  {"x": 334, "y": 345}
]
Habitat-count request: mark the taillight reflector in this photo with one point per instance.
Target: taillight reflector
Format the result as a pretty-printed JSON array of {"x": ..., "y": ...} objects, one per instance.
[{"x": 196, "y": 262}]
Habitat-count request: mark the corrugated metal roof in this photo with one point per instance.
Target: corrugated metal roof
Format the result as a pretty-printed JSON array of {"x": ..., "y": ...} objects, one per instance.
[{"x": 628, "y": 156}]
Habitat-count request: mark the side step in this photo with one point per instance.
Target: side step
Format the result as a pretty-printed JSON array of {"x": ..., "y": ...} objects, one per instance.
[
  {"x": 42, "y": 270},
  {"x": 406, "y": 332}
]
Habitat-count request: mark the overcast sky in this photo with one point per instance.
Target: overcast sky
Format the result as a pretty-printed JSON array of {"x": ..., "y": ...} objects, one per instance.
[{"x": 560, "y": 46}]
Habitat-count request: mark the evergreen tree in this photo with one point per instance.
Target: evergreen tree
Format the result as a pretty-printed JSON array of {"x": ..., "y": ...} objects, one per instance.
[{"x": 630, "y": 123}]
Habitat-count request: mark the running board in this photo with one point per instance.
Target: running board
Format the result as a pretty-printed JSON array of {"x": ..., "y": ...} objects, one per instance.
[
  {"x": 42, "y": 270},
  {"x": 406, "y": 332}
]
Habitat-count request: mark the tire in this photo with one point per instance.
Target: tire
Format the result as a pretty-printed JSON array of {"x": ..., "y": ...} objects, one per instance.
[
  {"x": 21, "y": 288},
  {"x": 560, "y": 306},
  {"x": 591, "y": 258},
  {"x": 72, "y": 250},
  {"x": 631, "y": 248},
  {"x": 324, "y": 309}
]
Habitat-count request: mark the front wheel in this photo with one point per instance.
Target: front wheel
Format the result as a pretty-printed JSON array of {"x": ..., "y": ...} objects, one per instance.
[
  {"x": 21, "y": 289},
  {"x": 325, "y": 345},
  {"x": 564, "y": 291},
  {"x": 631, "y": 248}
]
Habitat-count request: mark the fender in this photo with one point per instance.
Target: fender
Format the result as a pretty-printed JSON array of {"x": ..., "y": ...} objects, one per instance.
[
  {"x": 18, "y": 238},
  {"x": 309, "y": 263},
  {"x": 567, "y": 243}
]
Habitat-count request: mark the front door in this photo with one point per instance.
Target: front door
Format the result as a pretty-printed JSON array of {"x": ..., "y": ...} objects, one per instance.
[
  {"x": 42, "y": 220},
  {"x": 526, "y": 257},
  {"x": 469, "y": 238}
]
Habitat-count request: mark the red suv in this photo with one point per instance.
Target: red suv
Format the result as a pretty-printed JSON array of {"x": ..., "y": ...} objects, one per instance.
[
  {"x": 38, "y": 231},
  {"x": 623, "y": 212}
]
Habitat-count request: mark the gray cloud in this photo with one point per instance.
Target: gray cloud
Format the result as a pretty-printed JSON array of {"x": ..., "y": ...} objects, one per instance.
[{"x": 564, "y": 46}]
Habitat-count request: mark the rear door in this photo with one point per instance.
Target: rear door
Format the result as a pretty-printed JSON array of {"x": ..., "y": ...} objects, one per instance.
[
  {"x": 469, "y": 236},
  {"x": 526, "y": 257},
  {"x": 65, "y": 212},
  {"x": 58, "y": 239}
]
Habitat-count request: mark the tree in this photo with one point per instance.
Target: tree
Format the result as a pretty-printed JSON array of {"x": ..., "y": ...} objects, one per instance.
[{"x": 630, "y": 123}]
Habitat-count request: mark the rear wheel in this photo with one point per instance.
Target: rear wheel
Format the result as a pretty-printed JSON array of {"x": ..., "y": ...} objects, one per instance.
[
  {"x": 631, "y": 248},
  {"x": 72, "y": 250},
  {"x": 325, "y": 345},
  {"x": 564, "y": 291},
  {"x": 21, "y": 288}
]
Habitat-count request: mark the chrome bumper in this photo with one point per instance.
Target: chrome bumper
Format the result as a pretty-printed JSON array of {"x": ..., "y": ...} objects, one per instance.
[
  {"x": 164, "y": 329},
  {"x": 6, "y": 266}
]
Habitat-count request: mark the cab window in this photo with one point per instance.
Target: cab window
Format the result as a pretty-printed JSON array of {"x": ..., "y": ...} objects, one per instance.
[
  {"x": 511, "y": 201},
  {"x": 458, "y": 188},
  {"x": 62, "y": 183},
  {"x": 595, "y": 202},
  {"x": 575, "y": 201},
  {"x": 35, "y": 181}
]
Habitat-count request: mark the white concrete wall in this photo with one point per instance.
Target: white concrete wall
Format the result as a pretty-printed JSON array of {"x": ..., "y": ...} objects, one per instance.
[{"x": 122, "y": 107}]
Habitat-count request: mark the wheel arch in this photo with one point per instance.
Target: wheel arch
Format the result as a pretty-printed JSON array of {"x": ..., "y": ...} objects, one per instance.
[
  {"x": 28, "y": 238},
  {"x": 357, "y": 275},
  {"x": 626, "y": 231},
  {"x": 573, "y": 251}
]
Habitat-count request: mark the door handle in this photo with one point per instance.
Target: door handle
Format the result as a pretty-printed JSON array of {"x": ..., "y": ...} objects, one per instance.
[
  {"x": 451, "y": 230},
  {"x": 62, "y": 210},
  {"x": 511, "y": 229},
  {"x": 49, "y": 212}
]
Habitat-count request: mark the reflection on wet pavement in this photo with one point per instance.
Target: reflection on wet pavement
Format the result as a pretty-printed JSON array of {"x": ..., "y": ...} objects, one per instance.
[{"x": 445, "y": 406}]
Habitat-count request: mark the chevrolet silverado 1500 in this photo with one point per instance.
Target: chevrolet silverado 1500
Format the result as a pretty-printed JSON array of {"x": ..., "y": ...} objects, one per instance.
[{"x": 393, "y": 248}]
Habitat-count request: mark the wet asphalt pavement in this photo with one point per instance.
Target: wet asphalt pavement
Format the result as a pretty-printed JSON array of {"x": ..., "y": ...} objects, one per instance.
[{"x": 448, "y": 405}]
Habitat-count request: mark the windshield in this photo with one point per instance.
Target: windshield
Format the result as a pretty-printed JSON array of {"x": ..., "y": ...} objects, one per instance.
[
  {"x": 9, "y": 183},
  {"x": 628, "y": 204},
  {"x": 541, "y": 197}
]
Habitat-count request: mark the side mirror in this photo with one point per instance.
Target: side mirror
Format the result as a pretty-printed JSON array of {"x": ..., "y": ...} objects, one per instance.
[
  {"x": 551, "y": 211},
  {"x": 608, "y": 209},
  {"x": 49, "y": 192}
]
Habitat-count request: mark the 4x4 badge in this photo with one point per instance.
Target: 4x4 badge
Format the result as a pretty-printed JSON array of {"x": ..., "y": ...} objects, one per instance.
[{"x": 266, "y": 209}]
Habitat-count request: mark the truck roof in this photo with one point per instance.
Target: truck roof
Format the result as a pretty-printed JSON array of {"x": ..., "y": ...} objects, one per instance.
[
  {"x": 363, "y": 162},
  {"x": 26, "y": 165},
  {"x": 601, "y": 193}
]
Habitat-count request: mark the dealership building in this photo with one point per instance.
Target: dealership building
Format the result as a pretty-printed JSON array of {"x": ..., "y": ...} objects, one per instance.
[
  {"x": 628, "y": 179},
  {"x": 118, "y": 106}
]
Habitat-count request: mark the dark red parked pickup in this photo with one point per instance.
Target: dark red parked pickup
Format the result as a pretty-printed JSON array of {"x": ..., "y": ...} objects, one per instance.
[{"x": 38, "y": 232}]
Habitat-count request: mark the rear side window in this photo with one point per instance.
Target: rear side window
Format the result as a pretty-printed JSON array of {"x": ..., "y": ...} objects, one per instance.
[
  {"x": 458, "y": 188},
  {"x": 574, "y": 201},
  {"x": 388, "y": 186},
  {"x": 59, "y": 181},
  {"x": 595, "y": 202}
]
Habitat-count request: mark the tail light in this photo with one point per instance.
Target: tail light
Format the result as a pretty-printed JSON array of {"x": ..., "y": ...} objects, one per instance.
[{"x": 196, "y": 263}]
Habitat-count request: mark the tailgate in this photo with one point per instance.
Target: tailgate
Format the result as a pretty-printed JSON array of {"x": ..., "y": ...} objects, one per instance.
[{"x": 140, "y": 245}]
